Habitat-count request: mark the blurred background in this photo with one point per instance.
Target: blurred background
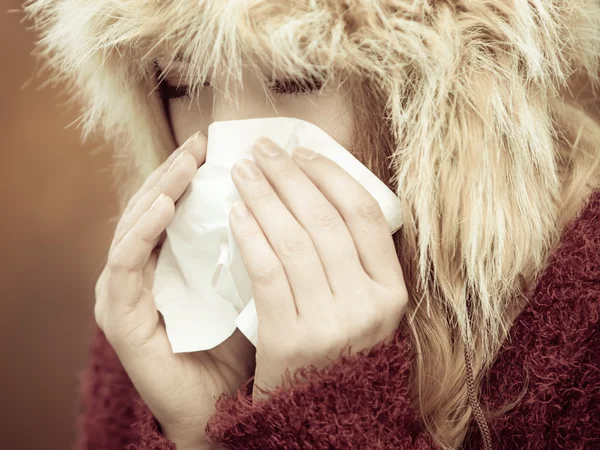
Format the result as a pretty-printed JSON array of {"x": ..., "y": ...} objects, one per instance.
[{"x": 56, "y": 207}]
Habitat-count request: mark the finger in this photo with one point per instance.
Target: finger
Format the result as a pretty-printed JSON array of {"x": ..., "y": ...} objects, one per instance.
[
  {"x": 314, "y": 212},
  {"x": 173, "y": 184},
  {"x": 127, "y": 260},
  {"x": 141, "y": 339},
  {"x": 360, "y": 211},
  {"x": 195, "y": 145},
  {"x": 272, "y": 292},
  {"x": 149, "y": 269},
  {"x": 289, "y": 240},
  {"x": 156, "y": 183}
]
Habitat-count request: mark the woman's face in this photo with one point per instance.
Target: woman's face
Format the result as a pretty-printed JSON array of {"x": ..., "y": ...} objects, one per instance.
[{"x": 329, "y": 108}]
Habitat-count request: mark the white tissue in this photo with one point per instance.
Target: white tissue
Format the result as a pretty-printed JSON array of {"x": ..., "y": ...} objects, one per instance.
[{"x": 201, "y": 286}]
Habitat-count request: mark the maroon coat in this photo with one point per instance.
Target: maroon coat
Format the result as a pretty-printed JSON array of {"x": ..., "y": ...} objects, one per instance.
[{"x": 361, "y": 401}]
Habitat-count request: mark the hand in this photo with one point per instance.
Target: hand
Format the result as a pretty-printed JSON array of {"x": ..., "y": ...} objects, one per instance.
[
  {"x": 180, "y": 389},
  {"x": 324, "y": 269}
]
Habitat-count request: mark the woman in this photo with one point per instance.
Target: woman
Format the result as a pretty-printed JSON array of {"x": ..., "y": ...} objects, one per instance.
[{"x": 479, "y": 331}]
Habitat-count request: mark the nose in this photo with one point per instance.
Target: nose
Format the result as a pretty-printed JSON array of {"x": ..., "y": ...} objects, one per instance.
[{"x": 252, "y": 102}]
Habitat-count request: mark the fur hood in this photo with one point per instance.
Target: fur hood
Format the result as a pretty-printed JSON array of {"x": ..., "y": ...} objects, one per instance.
[
  {"x": 472, "y": 93},
  {"x": 498, "y": 64},
  {"x": 485, "y": 144}
]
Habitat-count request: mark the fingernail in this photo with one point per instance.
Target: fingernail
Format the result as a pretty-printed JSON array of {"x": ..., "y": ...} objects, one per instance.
[
  {"x": 240, "y": 210},
  {"x": 157, "y": 201},
  {"x": 178, "y": 160},
  {"x": 303, "y": 153},
  {"x": 266, "y": 147},
  {"x": 191, "y": 143},
  {"x": 193, "y": 139},
  {"x": 247, "y": 169}
]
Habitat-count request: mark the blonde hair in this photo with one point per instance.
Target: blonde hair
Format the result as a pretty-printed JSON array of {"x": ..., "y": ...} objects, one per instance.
[{"x": 459, "y": 108}]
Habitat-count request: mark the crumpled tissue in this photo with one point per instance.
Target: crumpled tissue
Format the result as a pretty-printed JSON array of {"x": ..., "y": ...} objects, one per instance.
[{"x": 201, "y": 286}]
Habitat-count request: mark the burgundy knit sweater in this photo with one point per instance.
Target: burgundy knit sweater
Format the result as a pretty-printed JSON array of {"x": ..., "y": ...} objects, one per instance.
[{"x": 361, "y": 402}]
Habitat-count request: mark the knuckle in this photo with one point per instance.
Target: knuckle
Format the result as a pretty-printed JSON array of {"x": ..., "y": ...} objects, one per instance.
[
  {"x": 267, "y": 273},
  {"x": 368, "y": 211},
  {"x": 295, "y": 244},
  {"x": 262, "y": 194},
  {"x": 368, "y": 319},
  {"x": 116, "y": 265},
  {"x": 120, "y": 230},
  {"x": 139, "y": 237},
  {"x": 324, "y": 215},
  {"x": 246, "y": 233},
  {"x": 286, "y": 170},
  {"x": 113, "y": 264}
]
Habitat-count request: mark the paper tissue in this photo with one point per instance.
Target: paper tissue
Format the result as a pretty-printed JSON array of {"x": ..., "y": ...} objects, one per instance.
[{"x": 201, "y": 286}]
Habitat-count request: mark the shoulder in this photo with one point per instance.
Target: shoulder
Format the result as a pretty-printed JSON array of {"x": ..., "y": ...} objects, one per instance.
[
  {"x": 567, "y": 297},
  {"x": 551, "y": 356},
  {"x": 577, "y": 258},
  {"x": 563, "y": 311}
]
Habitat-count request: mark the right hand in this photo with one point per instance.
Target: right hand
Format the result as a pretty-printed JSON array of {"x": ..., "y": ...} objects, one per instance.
[{"x": 179, "y": 388}]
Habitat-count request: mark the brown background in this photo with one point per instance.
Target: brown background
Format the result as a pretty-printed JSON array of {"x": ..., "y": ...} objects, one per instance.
[{"x": 55, "y": 205}]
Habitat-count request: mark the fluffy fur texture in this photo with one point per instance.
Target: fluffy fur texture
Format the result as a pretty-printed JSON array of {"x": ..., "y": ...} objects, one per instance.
[{"x": 485, "y": 152}]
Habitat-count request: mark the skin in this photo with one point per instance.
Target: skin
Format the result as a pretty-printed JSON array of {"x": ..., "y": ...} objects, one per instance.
[
  {"x": 322, "y": 262},
  {"x": 330, "y": 109}
]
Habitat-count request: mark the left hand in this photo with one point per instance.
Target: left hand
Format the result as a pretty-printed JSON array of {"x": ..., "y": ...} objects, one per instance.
[{"x": 324, "y": 269}]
